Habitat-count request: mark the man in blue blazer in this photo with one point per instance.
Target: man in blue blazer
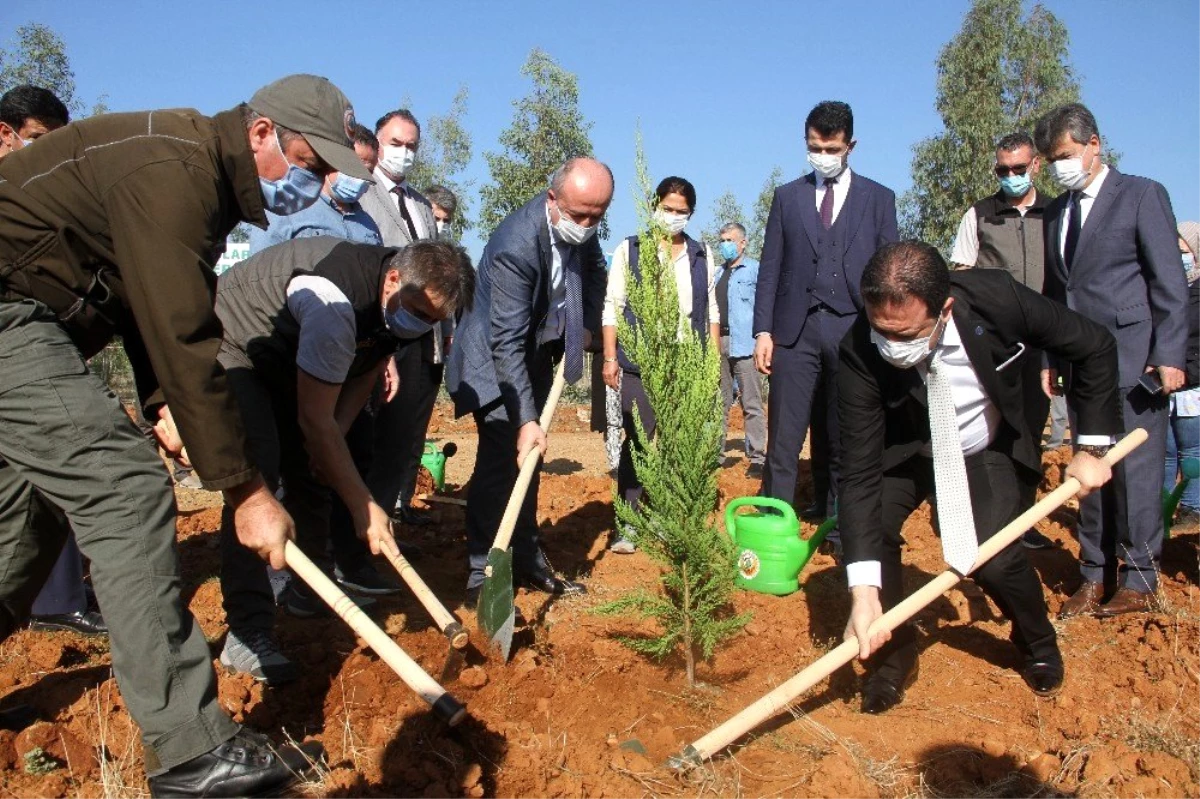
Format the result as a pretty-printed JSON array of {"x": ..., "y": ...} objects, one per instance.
[
  {"x": 1112, "y": 255},
  {"x": 822, "y": 230},
  {"x": 540, "y": 287}
]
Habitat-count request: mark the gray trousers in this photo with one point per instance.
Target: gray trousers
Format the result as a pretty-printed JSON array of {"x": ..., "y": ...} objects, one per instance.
[
  {"x": 749, "y": 383},
  {"x": 63, "y": 433},
  {"x": 1121, "y": 525}
]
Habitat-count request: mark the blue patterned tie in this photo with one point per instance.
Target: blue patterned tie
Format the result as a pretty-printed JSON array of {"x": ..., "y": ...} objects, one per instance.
[{"x": 573, "y": 349}]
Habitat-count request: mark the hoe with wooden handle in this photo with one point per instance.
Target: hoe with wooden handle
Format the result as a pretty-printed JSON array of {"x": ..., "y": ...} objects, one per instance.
[
  {"x": 444, "y": 705},
  {"x": 783, "y": 696}
]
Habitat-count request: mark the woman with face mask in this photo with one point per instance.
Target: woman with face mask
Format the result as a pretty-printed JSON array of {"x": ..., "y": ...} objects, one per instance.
[
  {"x": 1183, "y": 432},
  {"x": 694, "y": 268}
]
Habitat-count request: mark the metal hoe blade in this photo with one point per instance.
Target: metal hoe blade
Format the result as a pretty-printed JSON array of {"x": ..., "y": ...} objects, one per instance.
[{"x": 497, "y": 613}]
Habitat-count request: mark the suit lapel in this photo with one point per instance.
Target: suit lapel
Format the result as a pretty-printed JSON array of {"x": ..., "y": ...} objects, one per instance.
[
  {"x": 971, "y": 331},
  {"x": 852, "y": 211},
  {"x": 547, "y": 258},
  {"x": 392, "y": 210},
  {"x": 808, "y": 209},
  {"x": 1100, "y": 208}
]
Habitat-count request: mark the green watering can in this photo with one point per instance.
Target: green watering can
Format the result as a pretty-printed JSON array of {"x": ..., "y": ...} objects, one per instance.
[
  {"x": 434, "y": 460},
  {"x": 771, "y": 551},
  {"x": 1191, "y": 471}
]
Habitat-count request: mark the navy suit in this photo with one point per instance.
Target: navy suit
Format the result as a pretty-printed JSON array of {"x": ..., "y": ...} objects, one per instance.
[
  {"x": 1126, "y": 276},
  {"x": 807, "y": 312},
  {"x": 500, "y": 369}
]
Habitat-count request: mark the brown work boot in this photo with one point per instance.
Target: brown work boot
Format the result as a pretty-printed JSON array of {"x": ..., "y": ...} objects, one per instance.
[
  {"x": 1126, "y": 600},
  {"x": 1085, "y": 601}
]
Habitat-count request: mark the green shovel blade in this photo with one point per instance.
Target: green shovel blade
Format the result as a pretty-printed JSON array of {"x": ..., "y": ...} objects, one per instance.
[{"x": 497, "y": 614}]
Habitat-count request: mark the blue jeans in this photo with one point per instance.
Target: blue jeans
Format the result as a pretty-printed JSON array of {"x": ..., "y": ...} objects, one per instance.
[{"x": 1183, "y": 441}]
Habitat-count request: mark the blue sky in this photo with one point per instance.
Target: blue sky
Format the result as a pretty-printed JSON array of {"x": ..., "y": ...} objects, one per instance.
[{"x": 720, "y": 89}]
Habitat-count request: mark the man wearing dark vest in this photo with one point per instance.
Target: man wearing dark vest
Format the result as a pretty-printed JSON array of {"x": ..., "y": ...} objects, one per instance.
[
  {"x": 822, "y": 230},
  {"x": 1004, "y": 231},
  {"x": 308, "y": 326}
]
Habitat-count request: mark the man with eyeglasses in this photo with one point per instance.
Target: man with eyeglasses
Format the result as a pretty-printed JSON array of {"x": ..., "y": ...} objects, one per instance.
[{"x": 1004, "y": 231}]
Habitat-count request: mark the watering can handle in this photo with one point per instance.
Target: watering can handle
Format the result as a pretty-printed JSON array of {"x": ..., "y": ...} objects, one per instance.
[{"x": 761, "y": 502}]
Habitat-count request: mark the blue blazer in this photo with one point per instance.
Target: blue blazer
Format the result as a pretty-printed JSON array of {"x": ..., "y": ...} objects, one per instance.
[
  {"x": 496, "y": 343},
  {"x": 789, "y": 256},
  {"x": 1127, "y": 274}
]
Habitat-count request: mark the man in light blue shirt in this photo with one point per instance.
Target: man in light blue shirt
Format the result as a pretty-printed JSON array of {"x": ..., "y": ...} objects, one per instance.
[{"x": 735, "y": 298}]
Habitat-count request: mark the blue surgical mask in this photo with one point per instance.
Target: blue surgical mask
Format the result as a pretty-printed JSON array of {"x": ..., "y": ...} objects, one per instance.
[
  {"x": 404, "y": 324},
  {"x": 1015, "y": 185},
  {"x": 728, "y": 251},
  {"x": 347, "y": 189},
  {"x": 293, "y": 192}
]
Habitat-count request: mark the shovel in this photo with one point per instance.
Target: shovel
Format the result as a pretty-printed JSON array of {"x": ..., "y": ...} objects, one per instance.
[
  {"x": 444, "y": 705},
  {"x": 497, "y": 614},
  {"x": 779, "y": 699},
  {"x": 445, "y": 621}
]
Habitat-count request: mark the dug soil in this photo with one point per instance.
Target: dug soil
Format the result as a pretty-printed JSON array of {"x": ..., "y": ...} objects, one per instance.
[{"x": 575, "y": 713}]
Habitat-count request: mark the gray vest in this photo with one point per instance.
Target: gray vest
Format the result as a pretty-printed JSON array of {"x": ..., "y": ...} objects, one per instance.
[
  {"x": 1008, "y": 240},
  {"x": 260, "y": 331},
  {"x": 829, "y": 283}
]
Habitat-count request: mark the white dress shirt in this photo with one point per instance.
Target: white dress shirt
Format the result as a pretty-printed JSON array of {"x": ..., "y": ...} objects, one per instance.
[
  {"x": 841, "y": 188},
  {"x": 556, "y": 320},
  {"x": 1087, "y": 196}
]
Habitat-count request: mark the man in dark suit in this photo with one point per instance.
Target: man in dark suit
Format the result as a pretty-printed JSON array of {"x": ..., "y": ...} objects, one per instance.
[
  {"x": 1112, "y": 255},
  {"x": 540, "y": 287},
  {"x": 821, "y": 230},
  {"x": 974, "y": 327}
]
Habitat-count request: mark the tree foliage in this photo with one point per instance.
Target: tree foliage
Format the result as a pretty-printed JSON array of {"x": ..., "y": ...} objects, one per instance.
[
  {"x": 996, "y": 76},
  {"x": 674, "y": 522},
  {"x": 727, "y": 208},
  {"x": 445, "y": 154},
  {"x": 546, "y": 130}
]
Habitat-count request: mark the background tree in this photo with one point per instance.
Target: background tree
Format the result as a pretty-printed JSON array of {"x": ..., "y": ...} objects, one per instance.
[
  {"x": 725, "y": 209},
  {"x": 997, "y": 75},
  {"x": 445, "y": 154},
  {"x": 674, "y": 522},
  {"x": 37, "y": 56},
  {"x": 762, "y": 209},
  {"x": 547, "y": 129}
]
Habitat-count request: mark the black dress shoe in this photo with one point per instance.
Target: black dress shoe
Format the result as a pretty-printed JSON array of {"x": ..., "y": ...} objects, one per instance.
[
  {"x": 471, "y": 597},
  {"x": 17, "y": 718},
  {"x": 245, "y": 765},
  {"x": 84, "y": 622},
  {"x": 410, "y": 515},
  {"x": 812, "y": 513},
  {"x": 881, "y": 694},
  {"x": 1044, "y": 677},
  {"x": 548, "y": 583}
]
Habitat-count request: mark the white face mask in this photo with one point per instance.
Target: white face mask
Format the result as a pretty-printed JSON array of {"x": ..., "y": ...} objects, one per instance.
[
  {"x": 674, "y": 223},
  {"x": 396, "y": 161},
  {"x": 440, "y": 224},
  {"x": 905, "y": 354},
  {"x": 571, "y": 231},
  {"x": 826, "y": 165},
  {"x": 1069, "y": 172}
]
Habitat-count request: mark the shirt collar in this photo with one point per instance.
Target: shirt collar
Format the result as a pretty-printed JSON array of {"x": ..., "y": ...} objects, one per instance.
[
  {"x": 841, "y": 180},
  {"x": 950, "y": 338},
  {"x": 554, "y": 237},
  {"x": 388, "y": 184},
  {"x": 1093, "y": 188}
]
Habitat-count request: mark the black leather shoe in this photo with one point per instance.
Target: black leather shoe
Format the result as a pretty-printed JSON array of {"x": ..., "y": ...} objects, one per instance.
[
  {"x": 880, "y": 694},
  {"x": 1044, "y": 677},
  {"x": 245, "y": 765},
  {"x": 812, "y": 513},
  {"x": 412, "y": 516},
  {"x": 84, "y": 622},
  {"x": 548, "y": 583},
  {"x": 17, "y": 718},
  {"x": 754, "y": 471},
  {"x": 471, "y": 597}
]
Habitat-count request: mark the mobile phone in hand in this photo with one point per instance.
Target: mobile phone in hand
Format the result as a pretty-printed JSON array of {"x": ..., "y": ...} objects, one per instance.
[{"x": 1151, "y": 383}]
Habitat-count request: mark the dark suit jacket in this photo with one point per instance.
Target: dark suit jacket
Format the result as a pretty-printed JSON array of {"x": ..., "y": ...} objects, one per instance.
[
  {"x": 883, "y": 413},
  {"x": 789, "y": 257},
  {"x": 1126, "y": 274},
  {"x": 496, "y": 342}
]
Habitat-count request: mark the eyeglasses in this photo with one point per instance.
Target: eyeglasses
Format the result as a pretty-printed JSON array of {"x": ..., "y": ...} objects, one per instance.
[{"x": 1005, "y": 171}]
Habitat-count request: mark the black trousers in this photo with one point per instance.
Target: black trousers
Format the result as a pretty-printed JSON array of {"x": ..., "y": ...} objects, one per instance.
[
  {"x": 493, "y": 479},
  {"x": 633, "y": 396},
  {"x": 998, "y": 495}
]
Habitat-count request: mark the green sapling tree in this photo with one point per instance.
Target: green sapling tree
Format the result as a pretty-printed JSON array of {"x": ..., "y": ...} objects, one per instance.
[{"x": 675, "y": 521}]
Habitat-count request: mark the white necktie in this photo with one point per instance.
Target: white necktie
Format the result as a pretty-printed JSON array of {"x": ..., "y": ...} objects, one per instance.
[{"x": 955, "y": 518}]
